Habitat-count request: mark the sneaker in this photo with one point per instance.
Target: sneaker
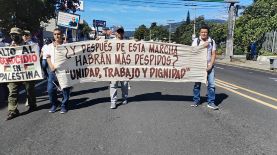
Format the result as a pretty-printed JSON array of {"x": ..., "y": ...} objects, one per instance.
[
  {"x": 12, "y": 114},
  {"x": 212, "y": 106},
  {"x": 124, "y": 102},
  {"x": 63, "y": 110},
  {"x": 113, "y": 105},
  {"x": 53, "y": 109},
  {"x": 195, "y": 104}
]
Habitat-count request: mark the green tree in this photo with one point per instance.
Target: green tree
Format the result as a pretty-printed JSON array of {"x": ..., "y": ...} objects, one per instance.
[
  {"x": 158, "y": 32},
  {"x": 153, "y": 25},
  {"x": 25, "y": 14},
  {"x": 141, "y": 32},
  {"x": 183, "y": 34},
  {"x": 256, "y": 20},
  {"x": 188, "y": 18},
  {"x": 218, "y": 31},
  {"x": 84, "y": 29}
]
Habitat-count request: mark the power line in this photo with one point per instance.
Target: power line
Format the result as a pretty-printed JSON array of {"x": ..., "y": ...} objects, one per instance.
[{"x": 159, "y": 4}]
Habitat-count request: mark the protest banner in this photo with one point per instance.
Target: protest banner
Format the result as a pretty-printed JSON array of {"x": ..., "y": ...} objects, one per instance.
[
  {"x": 20, "y": 63},
  {"x": 128, "y": 60}
]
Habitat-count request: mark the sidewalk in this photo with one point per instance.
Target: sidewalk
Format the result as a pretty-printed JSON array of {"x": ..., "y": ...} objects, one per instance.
[{"x": 242, "y": 62}]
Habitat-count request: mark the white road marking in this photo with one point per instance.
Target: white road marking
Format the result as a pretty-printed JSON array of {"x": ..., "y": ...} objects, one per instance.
[
  {"x": 219, "y": 67},
  {"x": 220, "y": 82},
  {"x": 275, "y": 79}
]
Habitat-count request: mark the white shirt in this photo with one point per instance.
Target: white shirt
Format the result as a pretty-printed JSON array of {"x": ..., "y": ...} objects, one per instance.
[
  {"x": 210, "y": 47},
  {"x": 51, "y": 50},
  {"x": 45, "y": 50}
]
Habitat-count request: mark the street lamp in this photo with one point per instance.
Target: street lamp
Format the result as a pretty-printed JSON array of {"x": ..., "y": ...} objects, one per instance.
[{"x": 169, "y": 35}]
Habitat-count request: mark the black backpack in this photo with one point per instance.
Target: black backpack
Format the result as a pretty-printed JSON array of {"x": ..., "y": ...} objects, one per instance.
[{"x": 198, "y": 42}]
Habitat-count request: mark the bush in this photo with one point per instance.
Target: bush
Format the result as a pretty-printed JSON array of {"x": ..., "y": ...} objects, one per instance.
[
  {"x": 238, "y": 50},
  {"x": 267, "y": 53},
  {"x": 220, "y": 50}
]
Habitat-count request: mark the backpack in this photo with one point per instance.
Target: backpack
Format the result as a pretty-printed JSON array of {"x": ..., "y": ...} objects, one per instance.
[{"x": 198, "y": 42}]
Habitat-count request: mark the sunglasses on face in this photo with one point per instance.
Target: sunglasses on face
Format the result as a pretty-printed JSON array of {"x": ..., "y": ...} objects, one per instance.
[{"x": 15, "y": 34}]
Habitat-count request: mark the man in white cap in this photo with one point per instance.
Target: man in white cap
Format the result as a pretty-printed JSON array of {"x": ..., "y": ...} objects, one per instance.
[
  {"x": 119, "y": 32},
  {"x": 27, "y": 39}
]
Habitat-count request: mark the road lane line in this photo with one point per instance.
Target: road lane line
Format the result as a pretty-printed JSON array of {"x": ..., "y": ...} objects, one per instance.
[
  {"x": 249, "y": 97},
  {"x": 38, "y": 84},
  {"x": 251, "y": 91},
  {"x": 217, "y": 82},
  {"x": 219, "y": 67}
]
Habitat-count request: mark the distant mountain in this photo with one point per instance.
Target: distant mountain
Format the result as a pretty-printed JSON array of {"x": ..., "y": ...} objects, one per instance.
[
  {"x": 129, "y": 34},
  {"x": 177, "y": 24},
  {"x": 216, "y": 20}
]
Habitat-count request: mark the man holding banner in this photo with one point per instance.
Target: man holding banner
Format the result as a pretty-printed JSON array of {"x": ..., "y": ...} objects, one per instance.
[
  {"x": 27, "y": 39},
  {"x": 205, "y": 40},
  {"x": 16, "y": 36},
  {"x": 53, "y": 83},
  {"x": 119, "y": 32}
]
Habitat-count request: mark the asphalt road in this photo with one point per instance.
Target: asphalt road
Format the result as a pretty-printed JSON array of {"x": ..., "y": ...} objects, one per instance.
[{"x": 157, "y": 121}]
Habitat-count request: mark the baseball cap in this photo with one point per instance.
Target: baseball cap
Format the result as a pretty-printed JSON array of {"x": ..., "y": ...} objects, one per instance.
[
  {"x": 26, "y": 32},
  {"x": 15, "y": 30}
]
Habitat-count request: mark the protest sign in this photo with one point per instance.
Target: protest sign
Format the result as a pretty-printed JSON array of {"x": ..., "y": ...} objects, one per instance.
[
  {"x": 20, "y": 63},
  {"x": 68, "y": 20},
  {"x": 128, "y": 60}
]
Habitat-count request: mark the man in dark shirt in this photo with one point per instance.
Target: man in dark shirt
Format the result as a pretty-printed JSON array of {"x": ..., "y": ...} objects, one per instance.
[{"x": 73, "y": 22}]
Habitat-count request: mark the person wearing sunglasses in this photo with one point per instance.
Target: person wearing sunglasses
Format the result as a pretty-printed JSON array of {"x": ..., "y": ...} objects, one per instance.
[{"x": 16, "y": 36}]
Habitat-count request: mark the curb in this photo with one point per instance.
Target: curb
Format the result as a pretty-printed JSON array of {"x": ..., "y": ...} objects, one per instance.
[{"x": 246, "y": 67}]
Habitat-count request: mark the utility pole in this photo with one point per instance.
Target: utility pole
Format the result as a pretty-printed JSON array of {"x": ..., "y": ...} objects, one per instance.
[
  {"x": 169, "y": 35},
  {"x": 273, "y": 43},
  {"x": 194, "y": 23},
  {"x": 230, "y": 35},
  {"x": 169, "y": 40},
  {"x": 150, "y": 34}
]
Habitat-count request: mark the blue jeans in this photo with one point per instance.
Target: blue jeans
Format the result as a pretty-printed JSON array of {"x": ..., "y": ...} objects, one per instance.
[
  {"x": 210, "y": 88},
  {"x": 52, "y": 91},
  {"x": 44, "y": 66}
]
